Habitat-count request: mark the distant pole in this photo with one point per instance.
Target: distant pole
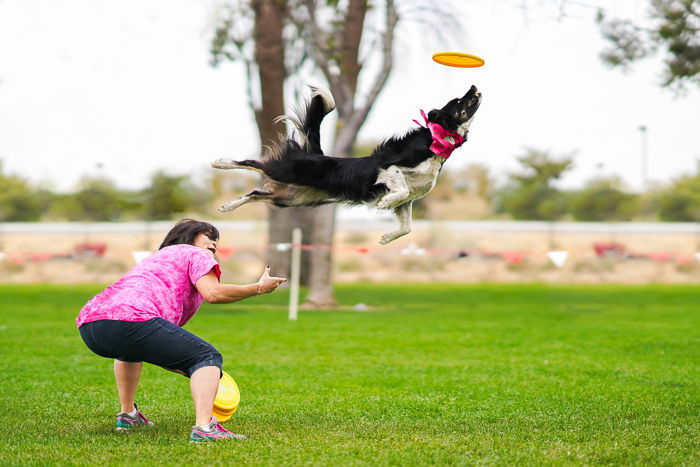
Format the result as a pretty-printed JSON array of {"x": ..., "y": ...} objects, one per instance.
[
  {"x": 645, "y": 180},
  {"x": 147, "y": 235},
  {"x": 552, "y": 242},
  {"x": 295, "y": 270}
]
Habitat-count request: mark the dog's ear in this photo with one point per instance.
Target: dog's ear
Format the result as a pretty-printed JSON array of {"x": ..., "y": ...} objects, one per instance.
[{"x": 442, "y": 118}]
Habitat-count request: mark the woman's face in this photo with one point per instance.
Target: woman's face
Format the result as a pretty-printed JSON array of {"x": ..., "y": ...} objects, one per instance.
[{"x": 202, "y": 241}]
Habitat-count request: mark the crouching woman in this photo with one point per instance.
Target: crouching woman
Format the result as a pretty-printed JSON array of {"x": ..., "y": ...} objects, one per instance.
[{"x": 139, "y": 319}]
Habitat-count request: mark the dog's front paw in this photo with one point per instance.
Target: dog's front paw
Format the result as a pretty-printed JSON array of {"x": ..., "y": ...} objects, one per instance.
[
  {"x": 224, "y": 164},
  {"x": 391, "y": 236},
  {"x": 385, "y": 203},
  {"x": 388, "y": 237}
]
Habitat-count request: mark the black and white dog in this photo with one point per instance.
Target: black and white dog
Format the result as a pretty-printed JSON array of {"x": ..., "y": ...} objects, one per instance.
[{"x": 399, "y": 170}]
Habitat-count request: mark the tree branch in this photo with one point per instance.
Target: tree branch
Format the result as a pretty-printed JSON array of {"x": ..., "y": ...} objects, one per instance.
[
  {"x": 308, "y": 27},
  {"x": 349, "y": 132},
  {"x": 351, "y": 36}
]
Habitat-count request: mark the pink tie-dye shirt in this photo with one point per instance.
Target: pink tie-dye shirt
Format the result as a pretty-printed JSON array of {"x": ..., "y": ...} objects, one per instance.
[{"x": 162, "y": 285}]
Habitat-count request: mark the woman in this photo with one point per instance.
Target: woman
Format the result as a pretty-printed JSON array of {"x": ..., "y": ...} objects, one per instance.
[{"x": 140, "y": 317}]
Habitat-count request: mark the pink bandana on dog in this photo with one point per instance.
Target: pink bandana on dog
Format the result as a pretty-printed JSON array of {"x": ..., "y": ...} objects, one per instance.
[{"x": 442, "y": 146}]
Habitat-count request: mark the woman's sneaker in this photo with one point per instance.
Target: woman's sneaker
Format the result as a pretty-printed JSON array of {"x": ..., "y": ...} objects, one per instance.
[
  {"x": 126, "y": 421},
  {"x": 213, "y": 431}
]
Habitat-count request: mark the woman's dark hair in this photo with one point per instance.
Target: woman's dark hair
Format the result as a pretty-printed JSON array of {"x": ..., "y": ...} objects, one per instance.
[{"x": 186, "y": 231}]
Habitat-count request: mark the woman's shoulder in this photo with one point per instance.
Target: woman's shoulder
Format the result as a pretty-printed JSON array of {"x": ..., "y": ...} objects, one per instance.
[
  {"x": 180, "y": 248},
  {"x": 183, "y": 250}
]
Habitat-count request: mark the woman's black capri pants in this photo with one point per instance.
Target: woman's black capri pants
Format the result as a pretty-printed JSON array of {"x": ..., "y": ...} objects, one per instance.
[{"x": 155, "y": 341}]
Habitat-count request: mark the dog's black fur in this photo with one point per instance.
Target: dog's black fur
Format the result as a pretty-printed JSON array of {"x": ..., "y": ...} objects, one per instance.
[{"x": 398, "y": 171}]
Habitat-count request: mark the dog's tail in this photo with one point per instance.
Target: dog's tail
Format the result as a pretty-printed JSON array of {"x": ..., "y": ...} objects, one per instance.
[{"x": 308, "y": 122}]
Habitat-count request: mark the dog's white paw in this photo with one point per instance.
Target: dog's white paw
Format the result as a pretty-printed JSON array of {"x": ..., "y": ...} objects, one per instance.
[
  {"x": 388, "y": 238},
  {"x": 230, "y": 206},
  {"x": 387, "y": 203},
  {"x": 391, "y": 236},
  {"x": 393, "y": 200},
  {"x": 224, "y": 164},
  {"x": 383, "y": 204}
]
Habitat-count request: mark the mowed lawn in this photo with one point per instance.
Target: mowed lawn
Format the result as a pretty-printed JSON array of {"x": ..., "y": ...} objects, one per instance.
[{"x": 431, "y": 374}]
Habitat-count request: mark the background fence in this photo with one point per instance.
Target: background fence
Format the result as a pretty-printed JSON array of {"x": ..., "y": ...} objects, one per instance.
[{"x": 435, "y": 251}]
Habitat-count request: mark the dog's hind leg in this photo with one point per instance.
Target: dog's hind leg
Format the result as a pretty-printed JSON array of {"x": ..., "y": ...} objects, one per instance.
[
  {"x": 231, "y": 164},
  {"x": 245, "y": 199},
  {"x": 403, "y": 213}
]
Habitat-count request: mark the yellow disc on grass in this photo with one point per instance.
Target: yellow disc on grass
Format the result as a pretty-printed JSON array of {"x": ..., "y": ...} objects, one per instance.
[
  {"x": 458, "y": 59},
  {"x": 227, "y": 398}
]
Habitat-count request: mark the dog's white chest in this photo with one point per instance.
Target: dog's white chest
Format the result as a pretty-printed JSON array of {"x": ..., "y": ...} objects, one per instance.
[
  {"x": 422, "y": 178},
  {"x": 408, "y": 183}
]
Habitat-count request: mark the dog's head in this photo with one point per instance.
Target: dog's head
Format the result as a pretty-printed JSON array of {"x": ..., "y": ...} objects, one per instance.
[{"x": 458, "y": 114}]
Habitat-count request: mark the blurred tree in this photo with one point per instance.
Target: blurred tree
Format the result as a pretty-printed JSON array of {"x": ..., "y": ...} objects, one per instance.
[
  {"x": 603, "y": 199},
  {"x": 328, "y": 35},
  {"x": 475, "y": 179},
  {"x": 674, "y": 28},
  {"x": 681, "y": 201},
  {"x": 648, "y": 202},
  {"x": 97, "y": 199},
  {"x": 65, "y": 207},
  {"x": 458, "y": 194},
  {"x": 531, "y": 195},
  {"x": 18, "y": 200},
  {"x": 253, "y": 32},
  {"x": 165, "y": 196},
  {"x": 199, "y": 196}
]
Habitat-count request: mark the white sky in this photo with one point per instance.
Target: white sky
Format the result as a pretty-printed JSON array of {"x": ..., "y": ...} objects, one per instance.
[{"x": 126, "y": 85}]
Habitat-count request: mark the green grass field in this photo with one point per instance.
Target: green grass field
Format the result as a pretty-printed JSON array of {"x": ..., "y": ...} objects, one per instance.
[{"x": 432, "y": 375}]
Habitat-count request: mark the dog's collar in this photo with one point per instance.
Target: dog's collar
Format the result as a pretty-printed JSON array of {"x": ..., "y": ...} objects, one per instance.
[{"x": 444, "y": 141}]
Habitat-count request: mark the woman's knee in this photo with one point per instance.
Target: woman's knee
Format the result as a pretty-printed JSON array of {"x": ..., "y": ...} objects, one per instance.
[{"x": 211, "y": 358}]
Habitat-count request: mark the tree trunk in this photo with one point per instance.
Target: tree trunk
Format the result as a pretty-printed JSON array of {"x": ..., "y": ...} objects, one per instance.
[
  {"x": 334, "y": 49},
  {"x": 352, "y": 34},
  {"x": 323, "y": 229},
  {"x": 269, "y": 55},
  {"x": 281, "y": 223},
  {"x": 321, "y": 281},
  {"x": 321, "y": 261}
]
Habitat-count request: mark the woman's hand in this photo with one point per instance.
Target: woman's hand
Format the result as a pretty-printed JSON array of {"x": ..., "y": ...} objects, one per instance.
[
  {"x": 212, "y": 291},
  {"x": 268, "y": 283}
]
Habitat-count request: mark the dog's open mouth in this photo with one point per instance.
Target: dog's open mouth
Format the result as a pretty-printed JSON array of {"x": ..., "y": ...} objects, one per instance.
[{"x": 470, "y": 103}]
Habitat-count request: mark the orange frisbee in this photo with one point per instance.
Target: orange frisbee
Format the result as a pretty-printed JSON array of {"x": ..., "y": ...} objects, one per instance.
[{"x": 458, "y": 59}]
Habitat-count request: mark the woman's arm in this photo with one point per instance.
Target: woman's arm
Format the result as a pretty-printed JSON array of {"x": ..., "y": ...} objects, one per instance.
[{"x": 213, "y": 291}]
